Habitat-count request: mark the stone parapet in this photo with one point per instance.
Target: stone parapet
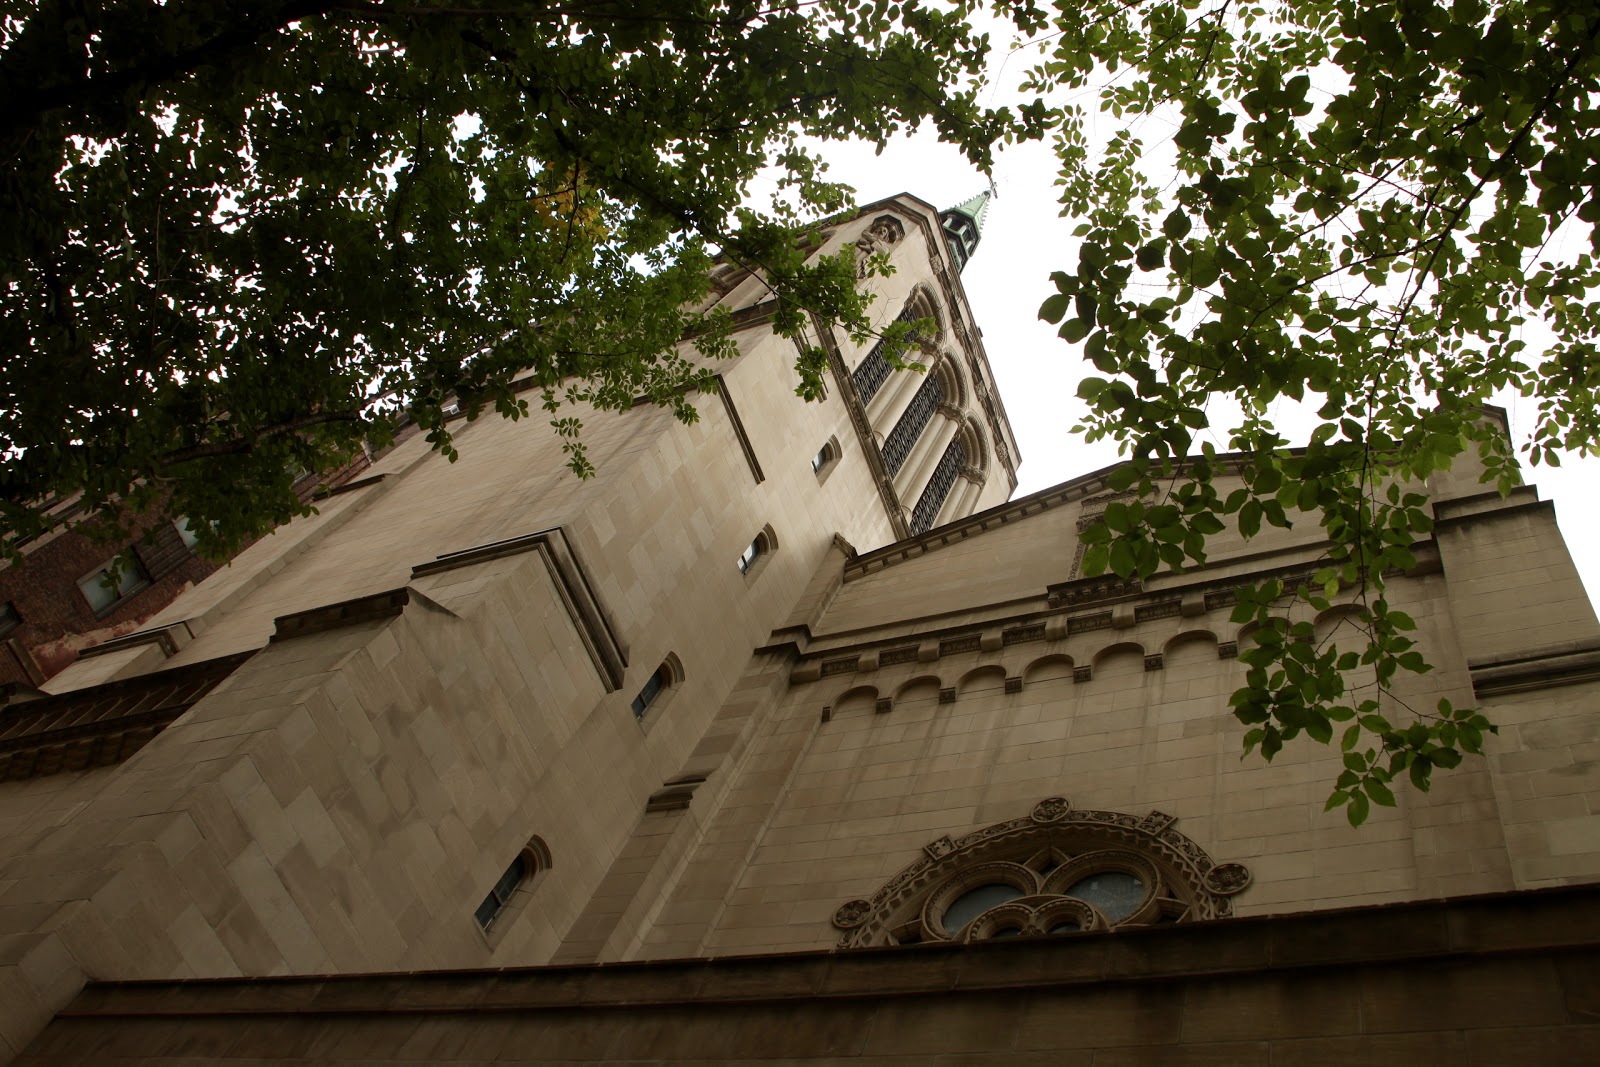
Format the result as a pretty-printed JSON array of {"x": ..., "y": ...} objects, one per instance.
[{"x": 1495, "y": 979}]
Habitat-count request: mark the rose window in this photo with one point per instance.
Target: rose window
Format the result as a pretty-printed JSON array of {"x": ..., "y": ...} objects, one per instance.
[{"x": 1056, "y": 872}]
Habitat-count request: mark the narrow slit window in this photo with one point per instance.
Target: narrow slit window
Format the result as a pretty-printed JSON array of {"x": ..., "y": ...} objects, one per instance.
[
  {"x": 751, "y": 553},
  {"x": 500, "y": 896},
  {"x": 652, "y": 689}
]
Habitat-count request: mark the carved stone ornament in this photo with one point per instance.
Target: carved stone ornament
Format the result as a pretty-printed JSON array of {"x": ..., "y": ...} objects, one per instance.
[
  {"x": 1051, "y": 809},
  {"x": 1056, "y": 871},
  {"x": 1226, "y": 879},
  {"x": 885, "y": 232},
  {"x": 851, "y": 914}
]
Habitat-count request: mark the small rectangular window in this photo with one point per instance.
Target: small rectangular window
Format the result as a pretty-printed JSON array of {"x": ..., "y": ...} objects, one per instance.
[
  {"x": 9, "y": 619},
  {"x": 103, "y": 589},
  {"x": 185, "y": 532}
]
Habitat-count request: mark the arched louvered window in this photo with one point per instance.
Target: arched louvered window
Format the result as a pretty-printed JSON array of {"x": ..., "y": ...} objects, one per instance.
[
  {"x": 872, "y": 372},
  {"x": 897, "y": 446},
  {"x": 938, "y": 487}
]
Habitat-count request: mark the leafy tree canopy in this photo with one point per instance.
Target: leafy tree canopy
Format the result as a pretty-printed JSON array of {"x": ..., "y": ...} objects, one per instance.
[
  {"x": 1372, "y": 199},
  {"x": 238, "y": 238}
]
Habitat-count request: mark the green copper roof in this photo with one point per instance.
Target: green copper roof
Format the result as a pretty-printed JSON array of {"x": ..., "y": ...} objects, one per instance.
[{"x": 974, "y": 209}]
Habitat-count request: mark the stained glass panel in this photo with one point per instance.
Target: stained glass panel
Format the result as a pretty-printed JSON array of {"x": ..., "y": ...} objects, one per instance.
[
  {"x": 974, "y": 902},
  {"x": 1115, "y": 893}
]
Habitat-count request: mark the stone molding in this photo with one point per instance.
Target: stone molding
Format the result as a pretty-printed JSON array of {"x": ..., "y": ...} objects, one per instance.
[
  {"x": 739, "y": 431},
  {"x": 1121, "y": 605},
  {"x": 571, "y": 583},
  {"x": 1573, "y": 663},
  {"x": 353, "y": 612},
  {"x": 103, "y": 724},
  {"x": 674, "y": 794},
  {"x": 169, "y": 639}
]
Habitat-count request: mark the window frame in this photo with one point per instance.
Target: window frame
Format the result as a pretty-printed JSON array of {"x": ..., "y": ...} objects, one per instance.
[
  {"x": 826, "y": 459},
  {"x": 530, "y": 863},
  {"x": 657, "y": 692},
  {"x": 753, "y": 560},
  {"x": 124, "y": 590}
]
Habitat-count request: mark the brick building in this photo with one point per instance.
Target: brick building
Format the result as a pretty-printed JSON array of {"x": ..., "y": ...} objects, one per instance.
[
  {"x": 787, "y": 737},
  {"x": 71, "y": 594}
]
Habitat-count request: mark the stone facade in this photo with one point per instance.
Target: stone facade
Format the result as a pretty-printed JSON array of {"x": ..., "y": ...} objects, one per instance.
[{"x": 735, "y": 696}]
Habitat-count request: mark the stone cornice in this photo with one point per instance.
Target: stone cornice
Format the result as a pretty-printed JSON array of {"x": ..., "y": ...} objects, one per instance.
[
  {"x": 1572, "y": 663},
  {"x": 1063, "y": 610},
  {"x": 103, "y": 724},
  {"x": 1338, "y": 942}
]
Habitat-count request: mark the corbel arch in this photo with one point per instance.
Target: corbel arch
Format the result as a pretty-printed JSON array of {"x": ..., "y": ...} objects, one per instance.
[
  {"x": 987, "y": 676},
  {"x": 1055, "y": 666},
  {"x": 921, "y": 685}
]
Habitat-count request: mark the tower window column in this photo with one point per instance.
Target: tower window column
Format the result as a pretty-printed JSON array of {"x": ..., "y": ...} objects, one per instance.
[
  {"x": 897, "y": 446},
  {"x": 872, "y": 372},
  {"x": 938, "y": 487}
]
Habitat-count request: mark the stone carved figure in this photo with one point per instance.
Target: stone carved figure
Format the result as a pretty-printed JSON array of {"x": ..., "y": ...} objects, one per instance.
[{"x": 885, "y": 232}]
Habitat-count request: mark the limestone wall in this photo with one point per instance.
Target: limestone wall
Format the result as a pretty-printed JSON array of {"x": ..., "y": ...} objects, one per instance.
[{"x": 914, "y": 721}]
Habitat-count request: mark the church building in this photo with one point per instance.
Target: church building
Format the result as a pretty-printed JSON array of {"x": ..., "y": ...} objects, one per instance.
[{"x": 789, "y": 737}]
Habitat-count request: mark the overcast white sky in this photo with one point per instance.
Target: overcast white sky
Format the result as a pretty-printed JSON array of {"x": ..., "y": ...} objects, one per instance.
[{"x": 1024, "y": 239}]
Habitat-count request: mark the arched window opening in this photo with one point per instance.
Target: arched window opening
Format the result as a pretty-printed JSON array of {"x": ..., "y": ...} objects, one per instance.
[
  {"x": 756, "y": 553},
  {"x": 751, "y": 553},
  {"x": 1056, "y": 871},
  {"x": 534, "y": 857},
  {"x": 938, "y": 487},
  {"x": 827, "y": 456},
  {"x": 657, "y": 691},
  {"x": 872, "y": 372},
  {"x": 897, "y": 446}
]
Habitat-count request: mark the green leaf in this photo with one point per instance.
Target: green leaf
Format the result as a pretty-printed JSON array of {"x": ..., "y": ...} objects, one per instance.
[
  {"x": 1054, "y": 307},
  {"x": 1250, "y": 518},
  {"x": 1379, "y": 792}
]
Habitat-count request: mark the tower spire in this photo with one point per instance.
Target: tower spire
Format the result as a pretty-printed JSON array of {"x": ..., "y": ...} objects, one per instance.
[{"x": 963, "y": 225}]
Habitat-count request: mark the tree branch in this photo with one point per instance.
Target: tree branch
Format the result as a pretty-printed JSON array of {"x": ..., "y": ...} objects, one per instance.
[{"x": 241, "y": 445}]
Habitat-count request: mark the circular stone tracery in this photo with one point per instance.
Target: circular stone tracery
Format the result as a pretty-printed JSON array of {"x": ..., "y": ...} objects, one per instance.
[{"x": 1055, "y": 871}]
